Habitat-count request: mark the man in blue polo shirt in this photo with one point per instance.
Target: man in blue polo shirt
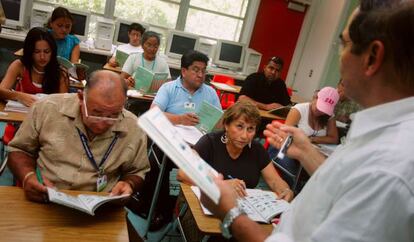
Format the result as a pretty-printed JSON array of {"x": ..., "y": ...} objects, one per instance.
[{"x": 181, "y": 98}]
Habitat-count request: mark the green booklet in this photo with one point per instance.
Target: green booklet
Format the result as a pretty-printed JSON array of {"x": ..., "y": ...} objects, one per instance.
[
  {"x": 121, "y": 57},
  {"x": 147, "y": 81},
  {"x": 76, "y": 70},
  {"x": 208, "y": 116}
]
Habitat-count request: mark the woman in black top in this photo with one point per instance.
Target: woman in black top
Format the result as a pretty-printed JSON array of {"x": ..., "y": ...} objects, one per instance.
[{"x": 235, "y": 154}]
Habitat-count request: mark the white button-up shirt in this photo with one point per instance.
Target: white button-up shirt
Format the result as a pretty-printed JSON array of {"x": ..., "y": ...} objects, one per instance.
[{"x": 365, "y": 190}]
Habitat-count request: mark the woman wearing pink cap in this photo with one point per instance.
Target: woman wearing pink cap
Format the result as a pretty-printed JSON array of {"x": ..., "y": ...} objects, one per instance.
[{"x": 315, "y": 117}]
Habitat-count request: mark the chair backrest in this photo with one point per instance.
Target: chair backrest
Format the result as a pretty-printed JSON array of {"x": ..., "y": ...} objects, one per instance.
[
  {"x": 223, "y": 79},
  {"x": 226, "y": 100}
]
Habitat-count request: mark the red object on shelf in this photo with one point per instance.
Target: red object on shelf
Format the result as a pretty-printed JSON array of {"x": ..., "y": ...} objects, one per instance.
[{"x": 226, "y": 99}]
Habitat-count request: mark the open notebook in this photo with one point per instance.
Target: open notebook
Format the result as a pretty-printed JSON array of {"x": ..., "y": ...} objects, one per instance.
[{"x": 261, "y": 206}]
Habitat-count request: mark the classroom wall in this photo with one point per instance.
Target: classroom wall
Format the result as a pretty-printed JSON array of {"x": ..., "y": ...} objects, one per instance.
[{"x": 276, "y": 31}]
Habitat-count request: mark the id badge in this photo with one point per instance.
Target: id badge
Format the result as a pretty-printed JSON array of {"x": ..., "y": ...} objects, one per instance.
[
  {"x": 189, "y": 106},
  {"x": 101, "y": 183}
]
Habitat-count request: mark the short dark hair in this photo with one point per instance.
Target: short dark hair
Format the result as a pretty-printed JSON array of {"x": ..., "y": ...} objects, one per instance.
[
  {"x": 51, "y": 81},
  {"x": 277, "y": 60},
  {"x": 191, "y": 56},
  {"x": 393, "y": 27},
  {"x": 243, "y": 108},
  {"x": 137, "y": 27},
  {"x": 150, "y": 34}
]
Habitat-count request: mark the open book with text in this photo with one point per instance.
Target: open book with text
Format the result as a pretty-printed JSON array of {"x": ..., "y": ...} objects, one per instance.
[
  {"x": 85, "y": 203},
  {"x": 260, "y": 206},
  {"x": 208, "y": 116},
  {"x": 162, "y": 132},
  {"x": 148, "y": 82}
]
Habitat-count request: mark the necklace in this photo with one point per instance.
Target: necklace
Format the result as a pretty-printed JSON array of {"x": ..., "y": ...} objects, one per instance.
[{"x": 37, "y": 71}]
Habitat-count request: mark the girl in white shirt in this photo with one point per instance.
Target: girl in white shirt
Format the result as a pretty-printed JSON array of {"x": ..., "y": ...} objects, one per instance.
[{"x": 315, "y": 118}]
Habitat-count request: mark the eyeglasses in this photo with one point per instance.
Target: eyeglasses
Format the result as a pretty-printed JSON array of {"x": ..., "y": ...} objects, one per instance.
[
  {"x": 343, "y": 42},
  {"x": 197, "y": 70},
  {"x": 99, "y": 118}
]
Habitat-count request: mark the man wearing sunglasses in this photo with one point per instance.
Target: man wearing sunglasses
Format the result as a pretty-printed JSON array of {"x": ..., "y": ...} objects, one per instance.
[
  {"x": 85, "y": 141},
  {"x": 265, "y": 89}
]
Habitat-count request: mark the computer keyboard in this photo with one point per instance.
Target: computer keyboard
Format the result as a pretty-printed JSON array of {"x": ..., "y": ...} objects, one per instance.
[{"x": 13, "y": 32}]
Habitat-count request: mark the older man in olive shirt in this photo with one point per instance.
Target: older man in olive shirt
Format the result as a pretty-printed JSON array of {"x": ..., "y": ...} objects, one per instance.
[{"x": 85, "y": 141}]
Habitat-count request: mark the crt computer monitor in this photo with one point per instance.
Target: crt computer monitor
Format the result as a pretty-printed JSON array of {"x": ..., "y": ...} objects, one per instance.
[
  {"x": 121, "y": 31},
  {"x": 179, "y": 43},
  {"x": 80, "y": 26},
  {"x": 229, "y": 54},
  {"x": 16, "y": 12}
]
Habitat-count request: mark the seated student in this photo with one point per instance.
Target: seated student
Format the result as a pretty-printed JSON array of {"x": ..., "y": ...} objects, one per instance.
[
  {"x": 234, "y": 153},
  {"x": 266, "y": 89},
  {"x": 179, "y": 100},
  {"x": 37, "y": 71},
  {"x": 135, "y": 32},
  {"x": 345, "y": 106},
  {"x": 147, "y": 59},
  {"x": 65, "y": 137},
  {"x": 315, "y": 118},
  {"x": 60, "y": 24}
]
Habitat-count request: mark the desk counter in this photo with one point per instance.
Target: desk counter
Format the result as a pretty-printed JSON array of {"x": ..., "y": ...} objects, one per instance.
[
  {"x": 22, "y": 220},
  {"x": 208, "y": 225},
  {"x": 10, "y": 116}
]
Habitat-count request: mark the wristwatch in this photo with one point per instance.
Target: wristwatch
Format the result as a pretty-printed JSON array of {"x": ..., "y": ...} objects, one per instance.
[{"x": 228, "y": 220}]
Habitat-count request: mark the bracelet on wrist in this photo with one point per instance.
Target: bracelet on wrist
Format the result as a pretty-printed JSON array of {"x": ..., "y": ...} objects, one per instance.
[{"x": 27, "y": 177}]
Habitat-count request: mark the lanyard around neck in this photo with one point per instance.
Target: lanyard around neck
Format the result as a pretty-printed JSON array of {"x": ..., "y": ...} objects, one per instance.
[
  {"x": 89, "y": 154},
  {"x": 143, "y": 63}
]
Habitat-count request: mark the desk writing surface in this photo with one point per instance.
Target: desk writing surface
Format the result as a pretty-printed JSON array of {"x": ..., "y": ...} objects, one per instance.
[
  {"x": 219, "y": 86},
  {"x": 11, "y": 116},
  {"x": 208, "y": 225},
  {"x": 110, "y": 68},
  {"x": 266, "y": 115},
  {"x": 22, "y": 220}
]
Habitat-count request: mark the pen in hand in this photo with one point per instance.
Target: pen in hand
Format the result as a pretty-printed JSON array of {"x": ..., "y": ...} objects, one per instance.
[
  {"x": 238, "y": 185},
  {"x": 282, "y": 152}
]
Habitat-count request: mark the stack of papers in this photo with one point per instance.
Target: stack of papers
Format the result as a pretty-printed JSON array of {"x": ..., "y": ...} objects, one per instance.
[
  {"x": 134, "y": 93},
  {"x": 14, "y": 106}
]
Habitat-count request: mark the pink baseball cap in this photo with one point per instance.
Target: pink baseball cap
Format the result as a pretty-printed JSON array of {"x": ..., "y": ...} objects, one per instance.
[{"x": 327, "y": 99}]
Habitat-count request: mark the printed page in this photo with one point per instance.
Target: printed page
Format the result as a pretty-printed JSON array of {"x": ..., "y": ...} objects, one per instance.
[
  {"x": 197, "y": 192},
  {"x": 92, "y": 202},
  {"x": 265, "y": 203},
  {"x": 189, "y": 133},
  {"x": 66, "y": 200},
  {"x": 143, "y": 79},
  {"x": 208, "y": 115},
  {"x": 164, "y": 134}
]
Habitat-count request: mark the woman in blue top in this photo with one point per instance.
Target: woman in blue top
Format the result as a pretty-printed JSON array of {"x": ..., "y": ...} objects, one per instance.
[{"x": 61, "y": 26}]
